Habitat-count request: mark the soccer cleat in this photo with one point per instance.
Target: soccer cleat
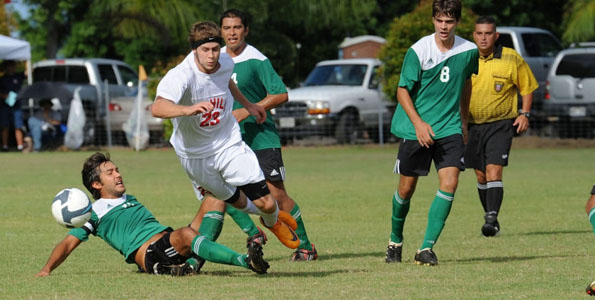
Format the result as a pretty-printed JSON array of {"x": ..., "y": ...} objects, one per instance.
[
  {"x": 591, "y": 289},
  {"x": 284, "y": 233},
  {"x": 287, "y": 219},
  {"x": 255, "y": 260},
  {"x": 196, "y": 262},
  {"x": 491, "y": 226},
  {"x": 259, "y": 238},
  {"x": 179, "y": 270},
  {"x": 426, "y": 257},
  {"x": 393, "y": 253},
  {"x": 304, "y": 254}
]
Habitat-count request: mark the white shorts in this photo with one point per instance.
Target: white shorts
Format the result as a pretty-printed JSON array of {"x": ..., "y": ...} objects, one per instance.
[{"x": 222, "y": 173}]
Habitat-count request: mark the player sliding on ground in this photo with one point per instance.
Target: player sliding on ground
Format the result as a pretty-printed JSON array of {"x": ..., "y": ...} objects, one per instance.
[
  {"x": 198, "y": 96},
  {"x": 126, "y": 225}
]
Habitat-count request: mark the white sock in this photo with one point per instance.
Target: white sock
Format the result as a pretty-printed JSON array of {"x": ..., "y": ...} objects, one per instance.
[{"x": 270, "y": 219}]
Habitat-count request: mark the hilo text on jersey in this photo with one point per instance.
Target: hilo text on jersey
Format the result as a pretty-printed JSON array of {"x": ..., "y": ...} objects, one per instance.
[{"x": 218, "y": 102}]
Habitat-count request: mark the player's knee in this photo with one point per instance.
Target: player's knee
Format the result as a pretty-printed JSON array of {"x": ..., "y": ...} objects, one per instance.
[
  {"x": 256, "y": 190},
  {"x": 590, "y": 204}
]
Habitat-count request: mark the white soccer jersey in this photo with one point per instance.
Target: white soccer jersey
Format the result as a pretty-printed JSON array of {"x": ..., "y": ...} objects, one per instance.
[{"x": 205, "y": 134}]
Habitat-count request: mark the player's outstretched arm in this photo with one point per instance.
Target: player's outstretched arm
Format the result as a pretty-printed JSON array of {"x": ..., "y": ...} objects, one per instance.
[
  {"x": 256, "y": 110},
  {"x": 269, "y": 102},
  {"x": 166, "y": 109},
  {"x": 423, "y": 130},
  {"x": 59, "y": 255}
]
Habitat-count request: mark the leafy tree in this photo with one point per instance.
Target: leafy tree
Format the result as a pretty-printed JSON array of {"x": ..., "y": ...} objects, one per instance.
[
  {"x": 579, "y": 21},
  {"x": 546, "y": 14},
  {"x": 407, "y": 30},
  {"x": 7, "y": 20},
  {"x": 49, "y": 24}
]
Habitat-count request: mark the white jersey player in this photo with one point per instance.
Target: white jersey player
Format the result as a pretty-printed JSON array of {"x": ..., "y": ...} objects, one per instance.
[{"x": 197, "y": 96}]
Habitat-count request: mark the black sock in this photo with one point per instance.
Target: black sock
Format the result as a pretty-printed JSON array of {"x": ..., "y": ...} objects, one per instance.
[
  {"x": 495, "y": 193},
  {"x": 482, "y": 190}
]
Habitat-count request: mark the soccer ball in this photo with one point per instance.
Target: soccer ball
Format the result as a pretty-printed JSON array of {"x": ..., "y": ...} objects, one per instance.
[{"x": 71, "y": 208}]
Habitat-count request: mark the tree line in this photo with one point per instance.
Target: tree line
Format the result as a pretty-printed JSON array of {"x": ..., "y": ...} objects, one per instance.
[{"x": 294, "y": 34}]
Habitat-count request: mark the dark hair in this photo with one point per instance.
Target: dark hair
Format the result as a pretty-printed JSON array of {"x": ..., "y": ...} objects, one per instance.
[
  {"x": 91, "y": 171},
  {"x": 234, "y": 13},
  {"x": 202, "y": 32},
  {"x": 449, "y": 8},
  {"x": 485, "y": 20}
]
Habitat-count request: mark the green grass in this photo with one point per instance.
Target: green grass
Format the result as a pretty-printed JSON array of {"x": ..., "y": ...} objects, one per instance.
[{"x": 546, "y": 249}]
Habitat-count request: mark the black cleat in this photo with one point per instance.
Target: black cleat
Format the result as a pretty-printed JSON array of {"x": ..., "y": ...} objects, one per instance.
[
  {"x": 179, "y": 270},
  {"x": 426, "y": 257},
  {"x": 591, "y": 289},
  {"x": 304, "y": 254},
  {"x": 259, "y": 238},
  {"x": 491, "y": 226},
  {"x": 255, "y": 260},
  {"x": 393, "y": 253}
]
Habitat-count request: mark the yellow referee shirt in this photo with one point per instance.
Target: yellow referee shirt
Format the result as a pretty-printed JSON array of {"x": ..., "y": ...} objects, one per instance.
[{"x": 501, "y": 75}]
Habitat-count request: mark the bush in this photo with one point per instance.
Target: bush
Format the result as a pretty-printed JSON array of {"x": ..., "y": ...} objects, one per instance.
[{"x": 407, "y": 30}]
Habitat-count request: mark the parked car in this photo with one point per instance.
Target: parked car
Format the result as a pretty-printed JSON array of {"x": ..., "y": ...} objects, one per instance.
[
  {"x": 341, "y": 98},
  {"x": 570, "y": 97},
  {"x": 538, "y": 47},
  {"x": 90, "y": 74}
]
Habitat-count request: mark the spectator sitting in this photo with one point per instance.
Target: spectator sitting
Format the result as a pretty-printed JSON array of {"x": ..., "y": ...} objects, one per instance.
[{"x": 45, "y": 125}]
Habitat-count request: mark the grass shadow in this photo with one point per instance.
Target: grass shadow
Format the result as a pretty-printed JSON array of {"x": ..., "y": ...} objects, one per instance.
[
  {"x": 554, "y": 232},
  {"x": 499, "y": 259},
  {"x": 316, "y": 273}
]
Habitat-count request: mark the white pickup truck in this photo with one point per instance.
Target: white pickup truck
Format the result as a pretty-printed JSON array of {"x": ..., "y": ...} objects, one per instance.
[
  {"x": 90, "y": 74},
  {"x": 340, "y": 98}
]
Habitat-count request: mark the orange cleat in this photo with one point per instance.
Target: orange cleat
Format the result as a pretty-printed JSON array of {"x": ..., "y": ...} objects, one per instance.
[
  {"x": 284, "y": 233},
  {"x": 287, "y": 219}
]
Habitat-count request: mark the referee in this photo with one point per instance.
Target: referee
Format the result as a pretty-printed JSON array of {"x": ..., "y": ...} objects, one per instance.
[{"x": 494, "y": 116}]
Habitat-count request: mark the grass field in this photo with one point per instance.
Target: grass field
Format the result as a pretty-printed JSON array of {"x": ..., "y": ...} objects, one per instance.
[{"x": 545, "y": 251}]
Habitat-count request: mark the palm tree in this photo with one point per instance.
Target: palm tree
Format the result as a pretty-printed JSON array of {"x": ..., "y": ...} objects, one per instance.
[
  {"x": 135, "y": 18},
  {"x": 579, "y": 19}
]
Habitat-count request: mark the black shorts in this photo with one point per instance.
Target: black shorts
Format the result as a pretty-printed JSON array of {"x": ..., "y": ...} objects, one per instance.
[
  {"x": 162, "y": 253},
  {"x": 415, "y": 160},
  {"x": 489, "y": 143},
  {"x": 271, "y": 163},
  {"x": 593, "y": 190}
]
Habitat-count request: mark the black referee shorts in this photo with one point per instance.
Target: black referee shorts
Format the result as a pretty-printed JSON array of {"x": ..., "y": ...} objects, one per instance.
[
  {"x": 415, "y": 160},
  {"x": 271, "y": 163},
  {"x": 489, "y": 143}
]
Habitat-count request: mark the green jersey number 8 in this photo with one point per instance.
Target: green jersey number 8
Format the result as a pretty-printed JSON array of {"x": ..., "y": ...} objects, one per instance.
[{"x": 444, "y": 74}]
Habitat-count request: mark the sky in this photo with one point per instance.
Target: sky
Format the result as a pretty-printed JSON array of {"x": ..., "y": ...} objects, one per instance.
[{"x": 21, "y": 8}]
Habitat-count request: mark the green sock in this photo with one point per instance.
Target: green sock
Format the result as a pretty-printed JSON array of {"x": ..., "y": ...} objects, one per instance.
[
  {"x": 212, "y": 224},
  {"x": 242, "y": 219},
  {"x": 436, "y": 217},
  {"x": 217, "y": 253},
  {"x": 592, "y": 218},
  {"x": 296, "y": 213},
  {"x": 400, "y": 210}
]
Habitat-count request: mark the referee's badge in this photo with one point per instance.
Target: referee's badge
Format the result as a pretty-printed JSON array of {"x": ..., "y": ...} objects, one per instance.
[{"x": 498, "y": 85}]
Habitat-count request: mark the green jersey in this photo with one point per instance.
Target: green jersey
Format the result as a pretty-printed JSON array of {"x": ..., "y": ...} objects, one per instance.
[
  {"x": 435, "y": 82},
  {"x": 255, "y": 77},
  {"x": 124, "y": 223}
]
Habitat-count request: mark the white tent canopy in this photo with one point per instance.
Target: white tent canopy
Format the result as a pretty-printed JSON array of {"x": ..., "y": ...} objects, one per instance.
[{"x": 15, "y": 49}]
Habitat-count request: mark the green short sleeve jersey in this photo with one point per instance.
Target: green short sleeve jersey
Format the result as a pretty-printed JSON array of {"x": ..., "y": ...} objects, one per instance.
[
  {"x": 124, "y": 223},
  {"x": 255, "y": 77},
  {"x": 435, "y": 82}
]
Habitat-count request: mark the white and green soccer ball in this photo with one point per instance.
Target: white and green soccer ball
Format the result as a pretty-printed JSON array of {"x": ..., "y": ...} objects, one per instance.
[{"x": 71, "y": 208}]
